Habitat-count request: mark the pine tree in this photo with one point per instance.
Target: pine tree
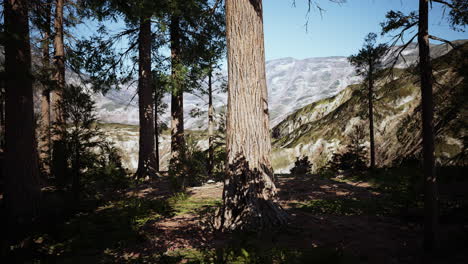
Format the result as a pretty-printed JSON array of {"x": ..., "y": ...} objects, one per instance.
[
  {"x": 397, "y": 21},
  {"x": 367, "y": 62}
]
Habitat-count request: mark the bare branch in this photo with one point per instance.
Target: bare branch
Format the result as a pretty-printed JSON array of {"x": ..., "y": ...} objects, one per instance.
[
  {"x": 444, "y": 3},
  {"x": 443, "y": 40}
]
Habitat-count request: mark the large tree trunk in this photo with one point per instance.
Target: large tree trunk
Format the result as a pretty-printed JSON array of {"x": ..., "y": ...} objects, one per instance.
[
  {"x": 210, "y": 125},
  {"x": 177, "y": 100},
  {"x": 431, "y": 222},
  {"x": 146, "y": 158},
  {"x": 371, "y": 117},
  {"x": 249, "y": 195},
  {"x": 22, "y": 193},
  {"x": 59, "y": 164},
  {"x": 45, "y": 135}
]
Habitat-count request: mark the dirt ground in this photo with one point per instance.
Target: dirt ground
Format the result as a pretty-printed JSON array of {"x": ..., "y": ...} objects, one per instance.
[{"x": 370, "y": 238}]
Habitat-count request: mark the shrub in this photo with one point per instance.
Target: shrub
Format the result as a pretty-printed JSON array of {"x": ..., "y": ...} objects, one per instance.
[
  {"x": 302, "y": 166},
  {"x": 354, "y": 156}
]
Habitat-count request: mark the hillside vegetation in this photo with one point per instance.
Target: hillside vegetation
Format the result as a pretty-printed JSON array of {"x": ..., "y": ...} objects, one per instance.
[{"x": 323, "y": 127}]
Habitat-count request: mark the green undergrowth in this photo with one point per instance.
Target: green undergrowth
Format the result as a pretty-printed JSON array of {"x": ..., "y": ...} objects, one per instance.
[
  {"x": 244, "y": 255},
  {"x": 183, "y": 203}
]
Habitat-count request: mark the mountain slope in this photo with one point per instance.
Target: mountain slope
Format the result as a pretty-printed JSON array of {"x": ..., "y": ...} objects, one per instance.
[
  {"x": 292, "y": 84},
  {"x": 323, "y": 127}
]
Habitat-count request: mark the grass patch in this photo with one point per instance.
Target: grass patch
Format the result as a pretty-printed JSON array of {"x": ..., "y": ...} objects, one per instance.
[
  {"x": 347, "y": 207},
  {"x": 182, "y": 203},
  {"x": 87, "y": 236},
  {"x": 248, "y": 254}
]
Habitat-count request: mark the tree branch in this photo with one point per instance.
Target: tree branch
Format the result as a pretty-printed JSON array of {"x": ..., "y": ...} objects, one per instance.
[{"x": 443, "y": 40}]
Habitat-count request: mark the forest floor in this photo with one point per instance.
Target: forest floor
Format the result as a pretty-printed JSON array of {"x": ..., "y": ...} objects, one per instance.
[{"x": 331, "y": 221}]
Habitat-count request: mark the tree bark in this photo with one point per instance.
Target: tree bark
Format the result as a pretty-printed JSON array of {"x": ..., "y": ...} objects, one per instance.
[
  {"x": 156, "y": 131},
  {"x": 431, "y": 222},
  {"x": 45, "y": 135},
  {"x": 22, "y": 191},
  {"x": 59, "y": 163},
  {"x": 371, "y": 116},
  {"x": 59, "y": 63},
  {"x": 2, "y": 118},
  {"x": 177, "y": 99},
  {"x": 249, "y": 195},
  {"x": 146, "y": 158},
  {"x": 210, "y": 125}
]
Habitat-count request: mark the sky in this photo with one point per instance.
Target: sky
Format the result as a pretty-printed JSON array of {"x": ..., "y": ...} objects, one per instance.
[{"x": 340, "y": 30}]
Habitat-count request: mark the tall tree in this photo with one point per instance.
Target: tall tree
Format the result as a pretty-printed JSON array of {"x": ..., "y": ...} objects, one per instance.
[
  {"x": 405, "y": 23},
  {"x": 58, "y": 148},
  {"x": 59, "y": 62},
  {"x": 42, "y": 19},
  {"x": 177, "y": 92},
  {"x": 367, "y": 62},
  {"x": 21, "y": 171},
  {"x": 249, "y": 195},
  {"x": 109, "y": 69},
  {"x": 146, "y": 157}
]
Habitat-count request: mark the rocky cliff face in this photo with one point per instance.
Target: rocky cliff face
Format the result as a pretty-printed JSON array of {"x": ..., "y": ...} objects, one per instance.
[{"x": 323, "y": 127}]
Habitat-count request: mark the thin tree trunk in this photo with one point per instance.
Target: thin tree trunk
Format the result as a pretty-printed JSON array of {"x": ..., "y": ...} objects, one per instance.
[
  {"x": 177, "y": 100},
  {"x": 45, "y": 135},
  {"x": 146, "y": 158},
  {"x": 22, "y": 192},
  {"x": 156, "y": 131},
  {"x": 431, "y": 223},
  {"x": 210, "y": 125},
  {"x": 76, "y": 177},
  {"x": 249, "y": 195},
  {"x": 2, "y": 118},
  {"x": 371, "y": 117}
]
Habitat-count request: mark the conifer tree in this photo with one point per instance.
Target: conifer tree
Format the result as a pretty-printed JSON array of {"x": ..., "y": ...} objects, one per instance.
[
  {"x": 367, "y": 62},
  {"x": 404, "y": 24}
]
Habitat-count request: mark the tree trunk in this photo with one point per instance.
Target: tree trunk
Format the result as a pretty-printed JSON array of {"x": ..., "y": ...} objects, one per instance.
[
  {"x": 431, "y": 222},
  {"x": 371, "y": 117},
  {"x": 22, "y": 191},
  {"x": 59, "y": 62},
  {"x": 146, "y": 158},
  {"x": 45, "y": 135},
  {"x": 59, "y": 163},
  {"x": 2, "y": 117},
  {"x": 210, "y": 125},
  {"x": 249, "y": 195},
  {"x": 76, "y": 177},
  {"x": 156, "y": 131},
  {"x": 177, "y": 100}
]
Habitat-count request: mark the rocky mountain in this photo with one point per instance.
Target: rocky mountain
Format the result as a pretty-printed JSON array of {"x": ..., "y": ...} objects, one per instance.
[
  {"x": 292, "y": 84},
  {"x": 324, "y": 127}
]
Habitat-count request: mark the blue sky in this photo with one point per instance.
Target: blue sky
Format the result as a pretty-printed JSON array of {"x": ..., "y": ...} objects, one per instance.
[{"x": 341, "y": 29}]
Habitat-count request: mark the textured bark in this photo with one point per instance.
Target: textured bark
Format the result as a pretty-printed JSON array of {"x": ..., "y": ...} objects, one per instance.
[
  {"x": 45, "y": 135},
  {"x": 59, "y": 164},
  {"x": 177, "y": 95},
  {"x": 22, "y": 193},
  {"x": 371, "y": 116},
  {"x": 431, "y": 222},
  {"x": 249, "y": 195},
  {"x": 210, "y": 125},
  {"x": 146, "y": 158},
  {"x": 59, "y": 63}
]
